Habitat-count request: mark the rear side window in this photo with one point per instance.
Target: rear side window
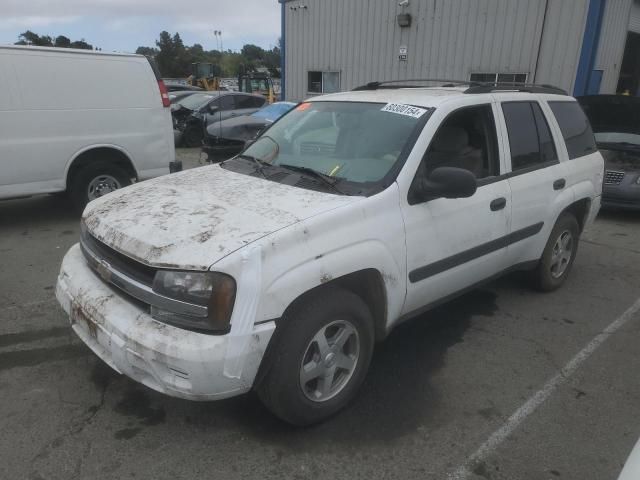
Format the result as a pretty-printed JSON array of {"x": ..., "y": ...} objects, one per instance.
[
  {"x": 575, "y": 128},
  {"x": 246, "y": 101},
  {"x": 530, "y": 140},
  {"x": 226, "y": 102}
]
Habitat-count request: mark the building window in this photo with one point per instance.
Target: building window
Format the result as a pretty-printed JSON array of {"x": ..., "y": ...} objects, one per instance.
[
  {"x": 498, "y": 77},
  {"x": 323, "y": 82}
]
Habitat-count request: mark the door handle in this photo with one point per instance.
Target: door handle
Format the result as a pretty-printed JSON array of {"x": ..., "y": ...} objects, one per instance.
[
  {"x": 559, "y": 184},
  {"x": 498, "y": 204}
]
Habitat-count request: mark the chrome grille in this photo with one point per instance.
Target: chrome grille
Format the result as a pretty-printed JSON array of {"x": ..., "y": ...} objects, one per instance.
[
  {"x": 132, "y": 277},
  {"x": 612, "y": 177}
]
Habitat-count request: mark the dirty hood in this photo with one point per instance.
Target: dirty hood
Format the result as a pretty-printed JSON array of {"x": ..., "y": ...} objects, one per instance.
[{"x": 190, "y": 220}]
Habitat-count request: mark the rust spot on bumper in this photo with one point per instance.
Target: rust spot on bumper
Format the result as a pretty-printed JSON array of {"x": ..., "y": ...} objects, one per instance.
[{"x": 77, "y": 315}]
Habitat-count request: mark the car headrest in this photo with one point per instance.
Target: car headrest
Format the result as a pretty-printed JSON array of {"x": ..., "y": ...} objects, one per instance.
[{"x": 451, "y": 140}]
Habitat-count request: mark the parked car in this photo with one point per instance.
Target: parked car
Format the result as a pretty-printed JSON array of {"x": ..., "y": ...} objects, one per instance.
[
  {"x": 227, "y": 138},
  {"x": 616, "y": 123},
  {"x": 279, "y": 269},
  {"x": 180, "y": 87},
  {"x": 193, "y": 113},
  {"x": 102, "y": 122},
  {"x": 176, "y": 96}
]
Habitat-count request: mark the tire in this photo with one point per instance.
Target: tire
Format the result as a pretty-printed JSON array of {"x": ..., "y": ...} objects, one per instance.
[
  {"x": 96, "y": 179},
  {"x": 333, "y": 314},
  {"x": 559, "y": 254},
  {"x": 192, "y": 137}
]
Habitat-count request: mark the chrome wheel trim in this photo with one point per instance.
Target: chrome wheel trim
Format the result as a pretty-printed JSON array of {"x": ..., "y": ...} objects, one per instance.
[
  {"x": 561, "y": 254},
  {"x": 101, "y": 185},
  {"x": 329, "y": 361}
]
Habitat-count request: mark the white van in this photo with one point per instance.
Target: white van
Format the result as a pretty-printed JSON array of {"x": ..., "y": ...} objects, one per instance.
[{"x": 80, "y": 121}]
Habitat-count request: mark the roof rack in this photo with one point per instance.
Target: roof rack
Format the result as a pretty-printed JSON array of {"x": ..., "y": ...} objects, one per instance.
[
  {"x": 399, "y": 83},
  {"x": 473, "y": 87},
  {"x": 515, "y": 87}
]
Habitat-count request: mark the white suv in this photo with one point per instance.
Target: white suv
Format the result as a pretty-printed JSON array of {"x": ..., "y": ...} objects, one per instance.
[{"x": 280, "y": 268}]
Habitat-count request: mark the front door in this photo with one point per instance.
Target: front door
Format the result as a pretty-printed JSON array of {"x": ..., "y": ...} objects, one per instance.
[{"x": 453, "y": 244}]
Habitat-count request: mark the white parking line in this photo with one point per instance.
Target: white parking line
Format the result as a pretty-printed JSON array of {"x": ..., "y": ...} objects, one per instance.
[{"x": 514, "y": 421}]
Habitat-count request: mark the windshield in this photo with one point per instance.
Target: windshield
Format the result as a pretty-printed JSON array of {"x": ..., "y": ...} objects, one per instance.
[
  {"x": 613, "y": 118},
  {"x": 275, "y": 111},
  {"x": 196, "y": 101},
  {"x": 630, "y": 139},
  {"x": 351, "y": 141}
]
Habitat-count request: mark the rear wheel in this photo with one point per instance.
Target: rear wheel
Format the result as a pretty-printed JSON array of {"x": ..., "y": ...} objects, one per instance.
[
  {"x": 95, "y": 180},
  {"x": 321, "y": 358},
  {"x": 559, "y": 254}
]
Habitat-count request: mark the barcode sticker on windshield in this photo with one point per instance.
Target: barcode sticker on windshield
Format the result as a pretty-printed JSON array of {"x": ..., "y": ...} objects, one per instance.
[{"x": 401, "y": 109}]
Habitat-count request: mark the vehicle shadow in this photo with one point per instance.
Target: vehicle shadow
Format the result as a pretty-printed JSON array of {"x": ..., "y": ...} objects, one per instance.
[
  {"x": 397, "y": 398},
  {"x": 33, "y": 211},
  {"x": 617, "y": 215}
]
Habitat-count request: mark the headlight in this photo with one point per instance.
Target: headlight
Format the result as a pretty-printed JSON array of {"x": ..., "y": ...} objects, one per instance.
[
  {"x": 638, "y": 180},
  {"x": 213, "y": 290}
]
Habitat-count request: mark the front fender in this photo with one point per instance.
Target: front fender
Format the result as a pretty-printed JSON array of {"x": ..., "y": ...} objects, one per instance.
[
  {"x": 331, "y": 265},
  {"x": 365, "y": 234}
]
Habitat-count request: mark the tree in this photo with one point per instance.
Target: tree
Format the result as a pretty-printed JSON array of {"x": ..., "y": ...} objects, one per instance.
[
  {"x": 30, "y": 38},
  {"x": 62, "y": 42},
  {"x": 174, "y": 58},
  {"x": 147, "y": 51},
  {"x": 252, "y": 52},
  {"x": 81, "y": 44}
]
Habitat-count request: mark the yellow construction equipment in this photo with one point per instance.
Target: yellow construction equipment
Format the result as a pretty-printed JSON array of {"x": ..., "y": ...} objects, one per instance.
[
  {"x": 259, "y": 83},
  {"x": 205, "y": 76}
]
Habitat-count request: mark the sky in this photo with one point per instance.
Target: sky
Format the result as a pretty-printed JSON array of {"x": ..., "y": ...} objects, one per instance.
[{"x": 124, "y": 25}]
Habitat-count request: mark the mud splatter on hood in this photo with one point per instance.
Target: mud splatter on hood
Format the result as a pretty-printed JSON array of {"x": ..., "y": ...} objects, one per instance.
[{"x": 192, "y": 219}]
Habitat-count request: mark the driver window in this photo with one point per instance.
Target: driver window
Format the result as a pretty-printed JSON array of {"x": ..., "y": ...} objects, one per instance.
[{"x": 466, "y": 139}]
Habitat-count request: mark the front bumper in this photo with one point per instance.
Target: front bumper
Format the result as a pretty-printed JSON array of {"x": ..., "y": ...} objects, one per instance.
[
  {"x": 624, "y": 196},
  {"x": 168, "y": 359}
]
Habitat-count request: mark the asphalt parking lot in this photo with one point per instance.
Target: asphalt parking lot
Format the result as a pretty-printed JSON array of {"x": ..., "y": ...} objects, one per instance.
[{"x": 439, "y": 400}]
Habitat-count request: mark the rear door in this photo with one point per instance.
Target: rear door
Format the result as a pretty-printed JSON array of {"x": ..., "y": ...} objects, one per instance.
[{"x": 537, "y": 178}]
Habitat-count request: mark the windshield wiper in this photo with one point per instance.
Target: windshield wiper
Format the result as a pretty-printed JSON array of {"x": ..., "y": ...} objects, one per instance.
[
  {"x": 326, "y": 179},
  {"x": 260, "y": 164}
]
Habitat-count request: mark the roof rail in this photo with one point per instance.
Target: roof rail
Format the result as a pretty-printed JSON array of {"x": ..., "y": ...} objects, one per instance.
[
  {"x": 515, "y": 87},
  {"x": 402, "y": 83},
  {"x": 473, "y": 87}
]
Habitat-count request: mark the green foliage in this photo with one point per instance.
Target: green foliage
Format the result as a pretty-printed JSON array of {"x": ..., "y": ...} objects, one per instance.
[
  {"x": 174, "y": 59},
  {"x": 31, "y": 38}
]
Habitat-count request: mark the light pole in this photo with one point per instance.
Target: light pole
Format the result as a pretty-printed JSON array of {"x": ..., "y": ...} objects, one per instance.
[{"x": 218, "y": 34}]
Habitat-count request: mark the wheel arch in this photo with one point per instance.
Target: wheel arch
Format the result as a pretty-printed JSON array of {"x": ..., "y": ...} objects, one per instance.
[
  {"x": 104, "y": 152},
  {"x": 580, "y": 209},
  {"x": 368, "y": 284}
]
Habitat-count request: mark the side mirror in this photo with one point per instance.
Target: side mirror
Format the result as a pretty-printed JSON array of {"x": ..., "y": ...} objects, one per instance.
[
  {"x": 213, "y": 108},
  {"x": 448, "y": 182}
]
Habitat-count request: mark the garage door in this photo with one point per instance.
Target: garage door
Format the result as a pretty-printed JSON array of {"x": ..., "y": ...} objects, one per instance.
[{"x": 634, "y": 22}]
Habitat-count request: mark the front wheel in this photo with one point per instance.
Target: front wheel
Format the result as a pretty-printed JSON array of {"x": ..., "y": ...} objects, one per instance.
[
  {"x": 559, "y": 254},
  {"x": 321, "y": 358},
  {"x": 95, "y": 180}
]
